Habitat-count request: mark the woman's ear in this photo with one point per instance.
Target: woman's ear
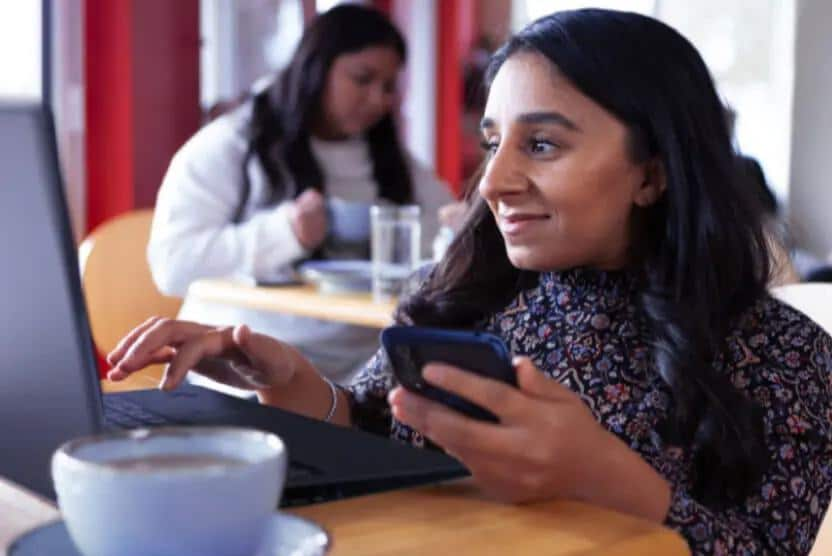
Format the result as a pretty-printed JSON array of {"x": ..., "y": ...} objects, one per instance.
[{"x": 654, "y": 184}]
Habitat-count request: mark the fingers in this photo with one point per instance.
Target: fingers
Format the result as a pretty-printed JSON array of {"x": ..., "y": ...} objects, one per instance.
[
  {"x": 309, "y": 221},
  {"x": 504, "y": 460},
  {"x": 533, "y": 382},
  {"x": 310, "y": 200},
  {"x": 455, "y": 432},
  {"x": 255, "y": 347},
  {"x": 163, "y": 355},
  {"x": 121, "y": 348},
  {"x": 508, "y": 403},
  {"x": 210, "y": 344},
  {"x": 452, "y": 214},
  {"x": 501, "y": 399},
  {"x": 249, "y": 359},
  {"x": 161, "y": 333}
]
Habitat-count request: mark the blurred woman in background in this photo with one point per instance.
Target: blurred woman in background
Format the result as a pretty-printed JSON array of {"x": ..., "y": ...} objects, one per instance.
[{"x": 248, "y": 194}]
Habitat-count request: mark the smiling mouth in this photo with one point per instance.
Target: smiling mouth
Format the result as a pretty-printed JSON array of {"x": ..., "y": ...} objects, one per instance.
[{"x": 517, "y": 224}]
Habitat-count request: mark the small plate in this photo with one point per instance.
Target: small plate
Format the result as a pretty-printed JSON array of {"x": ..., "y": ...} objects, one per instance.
[
  {"x": 339, "y": 276},
  {"x": 287, "y": 534}
]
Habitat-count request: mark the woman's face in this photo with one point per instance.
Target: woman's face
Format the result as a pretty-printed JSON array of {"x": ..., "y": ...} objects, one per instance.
[
  {"x": 360, "y": 90},
  {"x": 558, "y": 178}
]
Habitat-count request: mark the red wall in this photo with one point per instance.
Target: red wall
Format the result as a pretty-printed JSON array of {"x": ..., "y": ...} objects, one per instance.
[
  {"x": 385, "y": 6},
  {"x": 109, "y": 137},
  {"x": 457, "y": 27},
  {"x": 165, "y": 55},
  {"x": 142, "y": 97}
]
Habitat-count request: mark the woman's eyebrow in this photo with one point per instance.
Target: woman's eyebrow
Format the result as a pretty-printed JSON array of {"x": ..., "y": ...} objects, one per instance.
[{"x": 537, "y": 118}]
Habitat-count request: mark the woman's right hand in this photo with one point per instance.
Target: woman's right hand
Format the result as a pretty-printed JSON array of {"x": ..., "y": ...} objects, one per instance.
[
  {"x": 453, "y": 214},
  {"x": 308, "y": 218},
  {"x": 231, "y": 355}
]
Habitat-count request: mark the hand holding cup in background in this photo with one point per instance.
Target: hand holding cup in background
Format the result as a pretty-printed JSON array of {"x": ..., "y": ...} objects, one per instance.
[{"x": 309, "y": 219}]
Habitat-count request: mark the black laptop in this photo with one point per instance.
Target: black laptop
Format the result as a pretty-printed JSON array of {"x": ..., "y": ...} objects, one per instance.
[{"x": 49, "y": 390}]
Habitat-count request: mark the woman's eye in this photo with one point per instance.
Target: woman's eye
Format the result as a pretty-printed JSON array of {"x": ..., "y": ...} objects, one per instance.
[
  {"x": 362, "y": 79},
  {"x": 540, "y": 146},
  {"x": 489, "y": 146}
]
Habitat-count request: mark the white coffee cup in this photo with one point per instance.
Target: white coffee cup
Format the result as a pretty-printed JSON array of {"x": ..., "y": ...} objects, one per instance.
[{"x": 170, "y": 491}]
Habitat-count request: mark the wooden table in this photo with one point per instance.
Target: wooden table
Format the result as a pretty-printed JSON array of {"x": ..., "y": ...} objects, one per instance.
[
  {"x": 451, "y": 518},
  {"x": 445, "y": 519},
  {"x": 306, "y": 301}
]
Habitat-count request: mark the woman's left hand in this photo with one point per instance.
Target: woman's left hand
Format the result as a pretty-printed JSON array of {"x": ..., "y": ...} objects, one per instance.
[{"x": 546, "y": 445}]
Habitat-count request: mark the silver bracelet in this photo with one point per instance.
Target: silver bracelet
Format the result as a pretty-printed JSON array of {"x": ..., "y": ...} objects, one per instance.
[{"x": 334, "y": 405}]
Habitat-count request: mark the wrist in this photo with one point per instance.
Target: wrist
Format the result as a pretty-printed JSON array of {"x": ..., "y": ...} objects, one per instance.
[
  {"x": 618, "y": 478},
  {"x": 308, "y": 393}
]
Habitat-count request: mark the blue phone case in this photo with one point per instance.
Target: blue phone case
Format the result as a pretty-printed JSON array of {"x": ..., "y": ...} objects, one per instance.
[{"x": 410, "y": 348}]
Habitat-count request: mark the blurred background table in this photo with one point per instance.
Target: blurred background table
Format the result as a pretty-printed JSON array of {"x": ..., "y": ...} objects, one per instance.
[{"x": 304, "y": 300}]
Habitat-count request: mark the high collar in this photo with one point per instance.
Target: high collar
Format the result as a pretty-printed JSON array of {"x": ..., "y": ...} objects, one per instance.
[{"x": 581, "y": 282}]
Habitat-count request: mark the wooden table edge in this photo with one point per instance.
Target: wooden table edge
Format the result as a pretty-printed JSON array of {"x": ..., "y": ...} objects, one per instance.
[{"x": 303, "y": 301}]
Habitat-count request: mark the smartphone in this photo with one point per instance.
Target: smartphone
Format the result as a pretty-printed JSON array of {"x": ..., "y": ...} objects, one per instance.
[{"x": 410, "y": 348}]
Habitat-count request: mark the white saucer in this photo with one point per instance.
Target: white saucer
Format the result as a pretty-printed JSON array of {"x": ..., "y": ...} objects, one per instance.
[
  {"x": 287, "y": 535},
  {"x": 339, "y": 276},
  {"x": 334, "y": 276}
]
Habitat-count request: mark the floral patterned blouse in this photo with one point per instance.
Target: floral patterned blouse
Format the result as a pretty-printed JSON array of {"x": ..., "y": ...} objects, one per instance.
[{"x": 583, "y": 329}]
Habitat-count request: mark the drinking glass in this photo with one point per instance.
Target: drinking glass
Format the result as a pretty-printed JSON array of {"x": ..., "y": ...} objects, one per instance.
[{"x": 395, "y": 246}]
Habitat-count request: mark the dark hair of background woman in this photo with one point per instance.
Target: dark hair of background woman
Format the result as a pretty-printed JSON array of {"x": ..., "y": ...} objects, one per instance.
[
  {"x": 284, "y": 113},
  {"x": 699, "y": 252}
]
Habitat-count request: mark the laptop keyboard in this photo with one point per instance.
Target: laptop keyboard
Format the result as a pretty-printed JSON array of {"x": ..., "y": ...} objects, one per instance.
[
  {"x": 130, "y": 415},
  {"x": 124, "y": 414}
]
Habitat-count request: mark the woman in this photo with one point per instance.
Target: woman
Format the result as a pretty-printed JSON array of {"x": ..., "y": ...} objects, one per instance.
[
  {"x": 611, "y": 246},
  {"x": 248, "y": 194}
]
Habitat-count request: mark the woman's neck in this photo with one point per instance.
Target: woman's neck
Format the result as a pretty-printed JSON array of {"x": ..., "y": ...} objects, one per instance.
[
  {"x": 330, "y": 137},
  {"x": 325, "y": 132}
]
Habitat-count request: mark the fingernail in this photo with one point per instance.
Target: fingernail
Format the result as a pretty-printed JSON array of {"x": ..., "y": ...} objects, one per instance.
[
  {"x": 394, "y": 395},
  {"x": 516, "y": 360}
]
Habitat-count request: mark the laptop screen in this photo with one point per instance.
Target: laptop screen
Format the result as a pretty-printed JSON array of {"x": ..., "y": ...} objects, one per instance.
[{"x": 47, "y": 365}]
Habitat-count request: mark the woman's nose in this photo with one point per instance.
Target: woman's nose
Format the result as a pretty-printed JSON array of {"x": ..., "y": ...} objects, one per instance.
[
  {"x": 380, "y": 98},
  {"x": 503, "y": 175}
]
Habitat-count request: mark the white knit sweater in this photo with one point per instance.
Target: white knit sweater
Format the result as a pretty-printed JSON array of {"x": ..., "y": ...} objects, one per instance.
[{"x": 193, "y": 236}]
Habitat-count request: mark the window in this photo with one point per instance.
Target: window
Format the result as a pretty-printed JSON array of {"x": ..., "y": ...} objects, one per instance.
[
  {"x": 243, "y": 41},
  {"x": 20, "y": 49},
  {"x": 749, "y": 47}
]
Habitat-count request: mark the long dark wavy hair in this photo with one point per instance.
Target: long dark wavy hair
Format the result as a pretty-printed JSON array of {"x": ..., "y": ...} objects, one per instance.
[
  {"x": 284, "y": 113},
  {"x": 699, "y": 253}
]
